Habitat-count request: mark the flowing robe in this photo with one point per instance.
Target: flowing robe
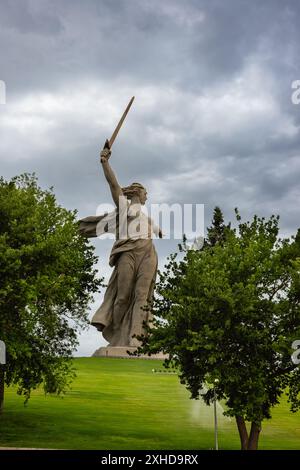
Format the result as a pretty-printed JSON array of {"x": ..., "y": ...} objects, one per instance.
[{"x": 136, "y": 255}]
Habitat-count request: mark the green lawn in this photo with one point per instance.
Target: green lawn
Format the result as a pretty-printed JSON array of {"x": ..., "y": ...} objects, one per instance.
[{"x": 122, "y": 404}]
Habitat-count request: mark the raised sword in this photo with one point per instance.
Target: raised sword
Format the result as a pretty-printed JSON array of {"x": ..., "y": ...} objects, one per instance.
[{"x": 108, "y": 143}]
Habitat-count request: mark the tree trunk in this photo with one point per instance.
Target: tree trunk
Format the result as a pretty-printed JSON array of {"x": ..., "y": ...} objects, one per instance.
[
  {"x": 242, "y": 432},
  {"x": 1, "y": 387},
  {"x": 254, "y": 435}
]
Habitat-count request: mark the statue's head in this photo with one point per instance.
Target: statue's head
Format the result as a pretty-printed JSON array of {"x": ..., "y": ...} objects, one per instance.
[{"x": 135, "y": 190}]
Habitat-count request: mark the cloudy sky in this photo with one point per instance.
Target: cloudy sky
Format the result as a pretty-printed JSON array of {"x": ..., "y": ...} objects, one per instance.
[{"x": 212, "y": 123}]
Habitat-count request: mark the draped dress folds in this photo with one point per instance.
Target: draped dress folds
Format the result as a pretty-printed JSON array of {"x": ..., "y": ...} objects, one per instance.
[{"x": 135, "y": 255}]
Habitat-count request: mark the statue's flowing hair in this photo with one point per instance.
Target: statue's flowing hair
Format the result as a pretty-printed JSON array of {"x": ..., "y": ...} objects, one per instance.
[{"x": 132, "y": 190}]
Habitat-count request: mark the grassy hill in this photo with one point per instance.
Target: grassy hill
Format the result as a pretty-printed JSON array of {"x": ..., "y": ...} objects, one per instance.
[{"x": 123, "y": 404}]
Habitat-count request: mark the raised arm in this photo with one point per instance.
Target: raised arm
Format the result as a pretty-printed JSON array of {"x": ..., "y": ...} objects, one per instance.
[{"x": 115, "y": 188}]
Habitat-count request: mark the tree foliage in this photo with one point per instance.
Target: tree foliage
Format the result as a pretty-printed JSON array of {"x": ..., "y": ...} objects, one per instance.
[
  {"x": 216, "y": 233},
  {"x": 47, "y": 280},
  {"x": 227, "y": 316}
]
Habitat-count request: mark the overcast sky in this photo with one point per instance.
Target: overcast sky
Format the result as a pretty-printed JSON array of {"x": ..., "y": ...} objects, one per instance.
[{"x": 212, "y": 123}]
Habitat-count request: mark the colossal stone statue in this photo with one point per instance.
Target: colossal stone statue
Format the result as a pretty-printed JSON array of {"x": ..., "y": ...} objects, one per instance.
[{"x": 120, "y": 317}]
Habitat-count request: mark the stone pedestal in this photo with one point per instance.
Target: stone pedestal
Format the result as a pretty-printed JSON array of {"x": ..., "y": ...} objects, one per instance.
[{"x": 122, "y": 352}]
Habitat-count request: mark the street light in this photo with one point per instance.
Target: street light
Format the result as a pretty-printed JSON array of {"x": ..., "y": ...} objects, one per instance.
[
  {"x": 215, "y": 416},
  {"x": 2, "y": 366}
]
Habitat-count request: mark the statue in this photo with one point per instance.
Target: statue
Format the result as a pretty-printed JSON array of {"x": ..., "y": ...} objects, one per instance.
[{"x": 130, "y": 289}]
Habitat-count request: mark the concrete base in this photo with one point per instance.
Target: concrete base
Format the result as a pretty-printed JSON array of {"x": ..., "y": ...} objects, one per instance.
[{"x": 122, "y": 352}]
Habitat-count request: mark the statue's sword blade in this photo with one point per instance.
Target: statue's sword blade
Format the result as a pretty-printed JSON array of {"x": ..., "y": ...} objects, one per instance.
[{"x": 115, "y": 133}]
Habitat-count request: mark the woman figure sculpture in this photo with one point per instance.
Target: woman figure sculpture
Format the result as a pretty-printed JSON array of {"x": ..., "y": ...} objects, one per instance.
[{"x": 122, "y": 314}]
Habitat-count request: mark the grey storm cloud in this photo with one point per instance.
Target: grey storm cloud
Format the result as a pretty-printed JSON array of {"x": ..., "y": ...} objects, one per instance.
[{"x": 212, "y": 123}]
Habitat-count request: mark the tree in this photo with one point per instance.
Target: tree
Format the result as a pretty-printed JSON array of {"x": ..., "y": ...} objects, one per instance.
[
  {"x": 216, "y": 233},
  {"x": 227, "y": 317},
  {"x": 47, "y": 280}
]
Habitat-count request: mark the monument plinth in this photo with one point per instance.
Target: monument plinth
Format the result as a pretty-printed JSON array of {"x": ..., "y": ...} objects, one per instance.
[{"x": 123, "y": 352}]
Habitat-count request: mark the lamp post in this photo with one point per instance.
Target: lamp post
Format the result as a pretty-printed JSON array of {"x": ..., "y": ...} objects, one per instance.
[
  {"x": 2, "y": 366},
  {"x": 215, "y": 416}
]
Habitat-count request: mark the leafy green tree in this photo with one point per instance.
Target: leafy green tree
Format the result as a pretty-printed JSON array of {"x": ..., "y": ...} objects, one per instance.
[
  {"x": 47, "y": 279},
  {"x": 227, "y": 316}
]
